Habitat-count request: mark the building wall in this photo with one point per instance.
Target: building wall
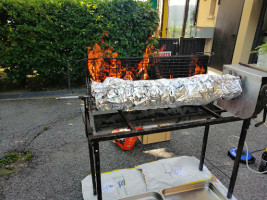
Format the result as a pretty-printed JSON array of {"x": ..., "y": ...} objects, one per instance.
[
  {"x": 247, "y": 29},
  {"x": 207, "y": 16},
  {"x": 207, "y": 13}
]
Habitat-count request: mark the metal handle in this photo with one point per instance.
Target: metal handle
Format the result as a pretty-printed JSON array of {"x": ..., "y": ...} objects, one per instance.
[{"x": 206, "y": 52}]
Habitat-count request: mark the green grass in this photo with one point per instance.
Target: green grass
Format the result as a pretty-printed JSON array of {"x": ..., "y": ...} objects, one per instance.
[
  {"x": 45, "y": 128},
  {"x": 6, "y": 172},
  {"x": 9, "y": 158},
  {"x": 10, "y": 172},
  {"x": 11, "y": 162},
  {"x": 28, "y": 155},
  {"x": 10, "y": 167}
]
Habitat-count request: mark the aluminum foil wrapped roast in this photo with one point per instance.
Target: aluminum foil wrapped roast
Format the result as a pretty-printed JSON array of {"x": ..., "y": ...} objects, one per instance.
[{"x": 118, "y": 94}]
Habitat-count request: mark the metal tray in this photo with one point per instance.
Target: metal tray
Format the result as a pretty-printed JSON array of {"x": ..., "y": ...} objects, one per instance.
[
  {"x": 196, "y": 191},
  {"x": 145, "y": 196}
]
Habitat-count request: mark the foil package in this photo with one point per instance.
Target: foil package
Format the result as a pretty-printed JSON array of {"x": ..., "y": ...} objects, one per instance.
[{"x": 119, "y": 94}]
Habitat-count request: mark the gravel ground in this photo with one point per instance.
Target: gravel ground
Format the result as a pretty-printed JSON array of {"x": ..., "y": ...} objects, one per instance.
[{"x": 61, "y": 160}]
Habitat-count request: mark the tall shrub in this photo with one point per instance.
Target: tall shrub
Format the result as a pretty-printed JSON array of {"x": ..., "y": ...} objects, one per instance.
[
  {"x": 129, "y": 24},
  {"x": 37, "y": 37}
]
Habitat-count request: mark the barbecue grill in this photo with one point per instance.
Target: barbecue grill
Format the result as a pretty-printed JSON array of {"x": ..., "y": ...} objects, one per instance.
[
  {"x": 254, "y": 96},
  {"x": 156, "y": 67},
  {"x": 100, "y": 124}
]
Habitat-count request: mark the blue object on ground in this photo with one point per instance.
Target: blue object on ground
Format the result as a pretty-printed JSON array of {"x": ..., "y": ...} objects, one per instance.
[{"x": 245, "y": 154}]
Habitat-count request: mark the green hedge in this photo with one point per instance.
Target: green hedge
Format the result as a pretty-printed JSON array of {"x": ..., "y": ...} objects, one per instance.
[{"x": 37, "y": 37}]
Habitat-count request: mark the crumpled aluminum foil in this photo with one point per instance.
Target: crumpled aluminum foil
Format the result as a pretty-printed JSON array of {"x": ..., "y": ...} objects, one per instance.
[{"x": 118, "y": 94}]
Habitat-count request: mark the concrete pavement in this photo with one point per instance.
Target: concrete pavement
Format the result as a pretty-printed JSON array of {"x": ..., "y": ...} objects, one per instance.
[{"x": 61, "y": 160}]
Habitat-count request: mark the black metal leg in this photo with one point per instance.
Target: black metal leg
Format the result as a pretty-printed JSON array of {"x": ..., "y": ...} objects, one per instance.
[
  {"x": 89, "y": 132},
  {"x": 241, "y": 142},
  {"x": 92, "y": 165},
  {"x": 204, "y": 146},
  {"x": 98, "y": 174}
]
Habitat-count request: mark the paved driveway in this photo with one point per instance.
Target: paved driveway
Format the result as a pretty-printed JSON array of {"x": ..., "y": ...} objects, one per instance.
[{"x": 61, "y": 160}]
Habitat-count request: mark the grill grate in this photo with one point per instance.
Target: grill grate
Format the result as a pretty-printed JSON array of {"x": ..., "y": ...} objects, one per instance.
[{"x": 146, "y": 68}]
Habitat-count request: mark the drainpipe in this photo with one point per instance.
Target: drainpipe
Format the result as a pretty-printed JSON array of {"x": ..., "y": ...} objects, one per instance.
[
  {"x": 196, "y": 12},
  {"x": 185, "y": 16}
]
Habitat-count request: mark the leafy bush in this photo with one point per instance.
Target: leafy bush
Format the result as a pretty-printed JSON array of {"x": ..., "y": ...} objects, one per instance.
[{"x": 37, "y": 37}]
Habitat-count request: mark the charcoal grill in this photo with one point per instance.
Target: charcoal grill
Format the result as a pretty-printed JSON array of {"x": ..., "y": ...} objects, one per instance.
[
  {"x": 99, "y": 124},
  {"x": 157, "y": 67}
]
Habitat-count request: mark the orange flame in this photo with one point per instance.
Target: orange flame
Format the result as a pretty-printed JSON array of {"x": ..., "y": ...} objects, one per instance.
[
  {"x": 198, "y": 69},
  {"x": 129, "y": 74},
  {"x": 143, "y": 66},
  {"x": 114, "y": 69},
  {"x": 171, "y": 76},
  {"x": 94, "y": 66},
  {"x": 163, "y": 47},
  {"x": 99, "y": 69}
]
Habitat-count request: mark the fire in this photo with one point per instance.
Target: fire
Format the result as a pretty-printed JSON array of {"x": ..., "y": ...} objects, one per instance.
[
  {"x": 143, "y": 66},
  {"x": 114, "y": 69},
  {"x": 94, "y": 65},
  {"x": 99, "y": 69},
  {"x": 198, "y": 69},
  {"x": 129, "y": 74},
  {"x": 162, "y": 48}
]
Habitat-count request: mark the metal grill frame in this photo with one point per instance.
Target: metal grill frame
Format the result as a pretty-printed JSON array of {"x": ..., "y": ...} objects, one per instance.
[
  {"x": 161, "y": 67},
  {"x": 213, "y": 116}
]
